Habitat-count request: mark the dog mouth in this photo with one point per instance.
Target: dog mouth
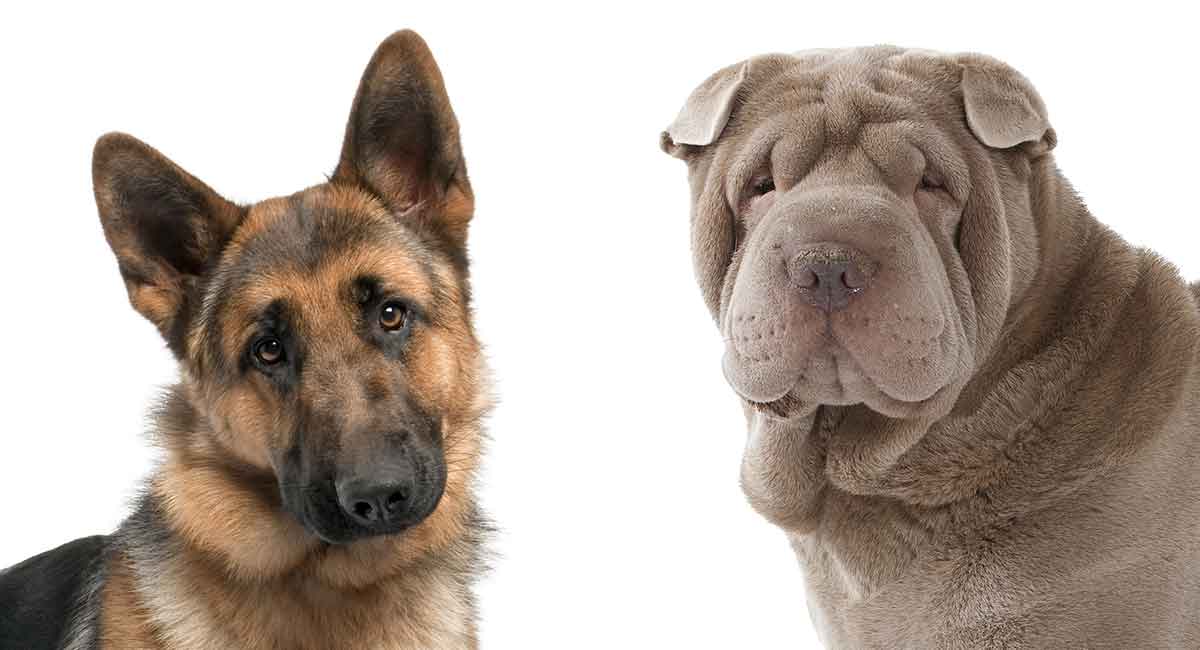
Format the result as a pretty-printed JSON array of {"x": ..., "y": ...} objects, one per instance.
[
  {"x": 830, "y": 376},
  {"x": 808, "y": 391}
]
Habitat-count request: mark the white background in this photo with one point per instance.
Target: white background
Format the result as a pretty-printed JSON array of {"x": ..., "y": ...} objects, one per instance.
[{"x": 616, "y": 443}]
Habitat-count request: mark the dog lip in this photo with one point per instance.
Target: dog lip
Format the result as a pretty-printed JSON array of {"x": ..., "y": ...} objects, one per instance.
[
  {"x": 756, "y": 391},
  {"x": 306, "y": 519},
  {"x": 854, "y": 356}
]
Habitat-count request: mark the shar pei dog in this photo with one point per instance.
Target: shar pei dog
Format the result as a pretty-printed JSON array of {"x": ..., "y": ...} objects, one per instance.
[{"x": 973, "y": 408}]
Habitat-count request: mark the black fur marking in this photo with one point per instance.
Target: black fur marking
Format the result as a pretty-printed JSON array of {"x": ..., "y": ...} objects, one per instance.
[
  {"x": 39, "y": 596},
  {"x": 167, "y": 217}
]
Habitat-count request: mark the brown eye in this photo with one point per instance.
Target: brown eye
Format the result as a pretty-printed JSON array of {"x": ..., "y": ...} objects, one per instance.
[
  {"x": 269, "y": 351},
  {"x": 763, "y": 186},
  {"x": 929, "y": 183},
  {"x": 393, "y": 316}
]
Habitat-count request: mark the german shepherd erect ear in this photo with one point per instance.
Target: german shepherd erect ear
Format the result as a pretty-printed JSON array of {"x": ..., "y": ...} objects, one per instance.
[
  {"x": 402, "y": 140},
  {"x": 165, "y": 227}
]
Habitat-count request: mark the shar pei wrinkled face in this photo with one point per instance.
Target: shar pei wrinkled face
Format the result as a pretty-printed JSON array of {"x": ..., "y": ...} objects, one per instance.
[{"x": 861, "y": 221}]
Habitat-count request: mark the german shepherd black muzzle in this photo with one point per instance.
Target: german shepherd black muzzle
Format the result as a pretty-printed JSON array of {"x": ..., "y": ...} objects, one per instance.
[{"x": 342, "y": 495}]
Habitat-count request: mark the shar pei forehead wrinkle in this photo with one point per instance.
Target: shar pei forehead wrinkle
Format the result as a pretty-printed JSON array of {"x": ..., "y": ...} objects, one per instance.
[{"x": 1002, "y": 107}]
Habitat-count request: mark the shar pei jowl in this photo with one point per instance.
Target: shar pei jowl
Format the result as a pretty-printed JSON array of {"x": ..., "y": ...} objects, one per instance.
[{"x": 972, "y": 407}]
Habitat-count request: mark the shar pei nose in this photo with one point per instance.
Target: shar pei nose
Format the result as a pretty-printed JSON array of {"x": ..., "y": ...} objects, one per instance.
[{"x": 973, "y": 408}]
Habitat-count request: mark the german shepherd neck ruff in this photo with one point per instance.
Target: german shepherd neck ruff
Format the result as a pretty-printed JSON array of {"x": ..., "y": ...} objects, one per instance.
[{"x": 322, "y": 444}]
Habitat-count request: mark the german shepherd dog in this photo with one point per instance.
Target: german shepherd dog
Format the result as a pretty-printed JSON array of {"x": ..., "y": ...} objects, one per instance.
[{"x": 321, "y": 446}]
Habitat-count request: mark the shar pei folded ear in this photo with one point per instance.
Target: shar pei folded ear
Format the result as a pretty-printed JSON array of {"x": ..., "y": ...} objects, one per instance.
[{"x": 958, "y": 382}]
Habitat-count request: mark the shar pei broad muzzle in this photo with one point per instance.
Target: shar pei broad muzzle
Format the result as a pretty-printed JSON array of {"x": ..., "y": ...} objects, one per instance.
[{"x": 973, "y": 408}]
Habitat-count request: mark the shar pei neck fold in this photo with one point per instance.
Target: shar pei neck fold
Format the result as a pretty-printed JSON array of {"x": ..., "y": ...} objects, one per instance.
[{"x": 973, "y": 408}]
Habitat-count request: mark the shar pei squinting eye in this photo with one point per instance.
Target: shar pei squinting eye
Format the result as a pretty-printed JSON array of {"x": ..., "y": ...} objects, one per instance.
[{"x": 972, "y": 407}]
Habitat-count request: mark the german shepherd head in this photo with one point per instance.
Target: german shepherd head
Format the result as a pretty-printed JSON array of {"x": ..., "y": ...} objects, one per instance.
[{"x": 332, "y": 385}]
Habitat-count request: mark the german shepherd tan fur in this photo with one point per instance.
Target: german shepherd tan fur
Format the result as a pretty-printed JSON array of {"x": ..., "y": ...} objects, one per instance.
[
  {"x": 973, "y": 408},
  {"x": 321, "y": 446}
]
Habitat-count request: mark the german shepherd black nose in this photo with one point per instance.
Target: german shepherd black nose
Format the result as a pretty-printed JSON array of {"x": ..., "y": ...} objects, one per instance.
[
  {"x": 369, "y": 504},
  {"x": 387, "y": 496}
]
